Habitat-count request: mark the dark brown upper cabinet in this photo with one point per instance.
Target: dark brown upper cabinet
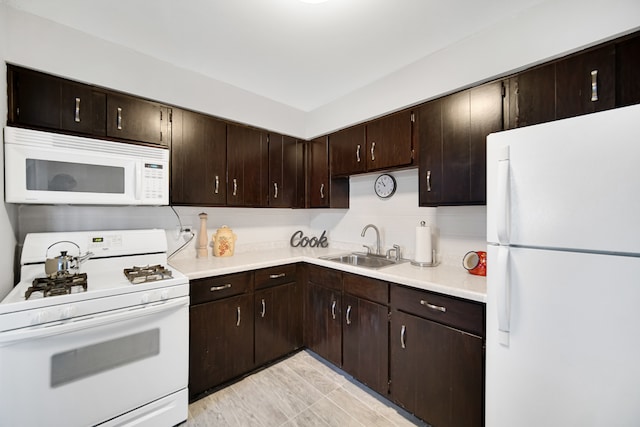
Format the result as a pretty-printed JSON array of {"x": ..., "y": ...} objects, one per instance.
[
  {"x": 628, "y": 72},
  {"x": 285, "y": 166},
  {"x": 452, "y": 132},
  {"x": 42, "y": 101},
  {"x": 349, "y": 151},
  {"x": 585, "y": 83},
  {"x": 198, "y": 160},
  {"x": 322, "y": 190},
  {"x": 532, "y": 96},
  {"x": 247, "y": 166},
  {"x": 137, "y": 119},
  {"x": 381, "y": 144}
]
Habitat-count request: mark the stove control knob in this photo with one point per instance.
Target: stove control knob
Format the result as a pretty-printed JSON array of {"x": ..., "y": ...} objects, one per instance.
[
  {"x": 164, "y": 295},
  {"x": 38, "y": 317},
  {"x": 144, "y": 299},
  {"x": 66, "y": 312}
]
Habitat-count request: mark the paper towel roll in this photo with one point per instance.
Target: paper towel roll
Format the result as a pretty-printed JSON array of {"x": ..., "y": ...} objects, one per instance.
[{"x": 424, "y": 252}]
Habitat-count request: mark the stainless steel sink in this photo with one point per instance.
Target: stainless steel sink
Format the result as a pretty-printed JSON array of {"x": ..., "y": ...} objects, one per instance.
[{"x": 363, "y": 260}]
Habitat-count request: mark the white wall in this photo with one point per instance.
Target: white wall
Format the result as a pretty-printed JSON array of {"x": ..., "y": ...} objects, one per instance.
[
  {"x": 7, "y": 212},
  {"x": 549, "y": 30}
]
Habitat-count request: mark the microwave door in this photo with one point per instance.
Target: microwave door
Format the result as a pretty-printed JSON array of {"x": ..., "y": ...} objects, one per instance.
[{"x": 46, "y": 176}]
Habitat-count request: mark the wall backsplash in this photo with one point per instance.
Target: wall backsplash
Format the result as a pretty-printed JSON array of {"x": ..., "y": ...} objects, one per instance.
[{"x": 456, "y": 229}]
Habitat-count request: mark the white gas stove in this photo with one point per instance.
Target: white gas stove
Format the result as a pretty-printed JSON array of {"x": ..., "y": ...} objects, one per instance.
[{"x": 107, "y": 338}]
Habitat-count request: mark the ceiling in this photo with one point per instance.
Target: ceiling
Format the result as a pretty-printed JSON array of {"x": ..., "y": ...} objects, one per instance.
[{"x": 299, "y": 54}]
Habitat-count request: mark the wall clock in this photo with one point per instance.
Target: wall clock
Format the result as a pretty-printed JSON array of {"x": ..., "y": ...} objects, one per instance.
[{"x": 385, "y": 186}]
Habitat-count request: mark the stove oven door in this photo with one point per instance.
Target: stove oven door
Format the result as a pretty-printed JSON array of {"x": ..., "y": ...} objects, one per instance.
[{"x": 89, "y": 370}]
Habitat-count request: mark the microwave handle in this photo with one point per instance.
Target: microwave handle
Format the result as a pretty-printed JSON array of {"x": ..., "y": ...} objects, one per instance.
[{"x": 138, "y": 180}]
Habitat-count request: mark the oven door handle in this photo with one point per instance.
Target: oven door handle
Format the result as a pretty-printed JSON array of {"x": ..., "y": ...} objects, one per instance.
[{"x": 90, "y": 321}]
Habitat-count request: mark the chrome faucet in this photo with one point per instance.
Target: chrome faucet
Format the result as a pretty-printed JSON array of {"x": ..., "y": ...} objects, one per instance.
[{"x": 364, "y": 230}]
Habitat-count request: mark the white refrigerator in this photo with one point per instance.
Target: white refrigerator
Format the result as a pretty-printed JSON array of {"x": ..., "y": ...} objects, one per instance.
[{"x": 563, "y": 273}]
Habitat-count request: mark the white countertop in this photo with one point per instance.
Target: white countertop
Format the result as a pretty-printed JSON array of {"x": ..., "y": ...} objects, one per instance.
[{"x": 445, "y": 279}]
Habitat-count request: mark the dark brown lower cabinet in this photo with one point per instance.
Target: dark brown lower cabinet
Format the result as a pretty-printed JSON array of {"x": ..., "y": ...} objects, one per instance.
[
  {"x": 277, "y": 322},
  {"x": 365, "y": 342},
  {"x": 324, "y": 322},
  {"x": 221, "y": 342},
  {"x": 436, "y": 371}
]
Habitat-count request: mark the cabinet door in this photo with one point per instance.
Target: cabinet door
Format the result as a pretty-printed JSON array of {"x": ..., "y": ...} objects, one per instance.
[
  {"x": 284, "y": 167},
  {"x": 486, "y": 116},
  {"x": 221, "y": 342},
  {"x": 429, "y": 123},
  {"x": 348, "y": 151},
  {"x": 137, "y": 119},
  {"x": 627, "y": 72},
  {"x": 532, "y": 97},
  {"x": 247, "y": 166},
  {"x": 34, "y": 98},
  {"x": 324, "y": 322},
  {"x": 365, "y": 347},
  {"x": 198, "y": 160},
  {"x": 389, "y": 141},
  {"x": 585, "y": 83},
  {"x": 83, "y": 109},
  {"x": 456, "y": 121},
  {"x": 276, "y": 322},
  {"x": 318, "y": 173},
  {"x": 436, "y": 371}
]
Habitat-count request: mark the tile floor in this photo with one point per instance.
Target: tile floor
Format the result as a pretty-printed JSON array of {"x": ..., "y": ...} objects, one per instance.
[{"x": 302, "y": 390}]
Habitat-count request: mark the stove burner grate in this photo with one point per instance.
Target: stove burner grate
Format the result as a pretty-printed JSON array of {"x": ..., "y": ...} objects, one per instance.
[
  {"x": 149, "y": 273},
  {"x": 58, "y": 285}
]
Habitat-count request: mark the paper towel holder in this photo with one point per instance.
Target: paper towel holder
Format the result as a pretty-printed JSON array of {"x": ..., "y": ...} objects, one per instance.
[{"x": 434, "y": 263}]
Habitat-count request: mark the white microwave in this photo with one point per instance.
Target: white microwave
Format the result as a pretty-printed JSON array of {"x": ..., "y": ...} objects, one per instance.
[{"x": 50, "y": 168}]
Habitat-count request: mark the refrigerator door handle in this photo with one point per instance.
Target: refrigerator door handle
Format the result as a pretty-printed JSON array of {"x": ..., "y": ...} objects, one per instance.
[
  {"x": 503, "y": 197},
  {"x": 503, "y": 292}
]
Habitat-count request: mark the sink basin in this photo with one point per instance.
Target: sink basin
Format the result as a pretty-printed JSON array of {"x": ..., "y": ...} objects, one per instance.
[{"x": 363, "y": 260}]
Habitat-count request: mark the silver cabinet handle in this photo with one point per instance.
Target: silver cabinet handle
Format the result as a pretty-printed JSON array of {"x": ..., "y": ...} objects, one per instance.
[
  {"x": 358, "y": 153},
  {"x": 277, "y": 276},
  {"x": 429, "y": 180},
  {"x": 275, "y": 190},
  {"x": 433, "y": 307},
  {"x": 216, "y": 188},
  {"x": 373, "y": 149},
  {"x": 77, "y": 114},
  {"x": 238, "y": 317},
  {"x": 119, "y": 119},
  {"x": 264, "y": 308},
  {"x": 220, "y": 288},
  {"x": 348, "y": 316},
  {"x": 594, "y": 85},
  {"x": 322, "y": 191},
  {"x": 403, "y": 332},
  {"x": 333, "y": 309},
  {"x": 235, "y": 186}
]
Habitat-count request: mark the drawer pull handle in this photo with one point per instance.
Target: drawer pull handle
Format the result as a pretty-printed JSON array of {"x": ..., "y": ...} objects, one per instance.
[
  {"x": 373, "y": 151},
  {"x": 235, "y": 187},
  {"x": 264, "y": 308},
  {"x": 239, "y": 316},
  {"x": 433, "y": 307},
  {"x": 77, "y": 113},
  {"x": 220, "y": 288},
  {"x": 322, "y": 191},
  {"x": 348, "y": 317},
  {"x": 428, "y": 180},
  {"x": 277, "y": 276},
  {"x": 358, "y": 153},
  {"x": 403, "y": 333},
  {"x": 333, "y": 310},
  {"x": 216, "y": 187},
  {"x": 275, "y": 190}
]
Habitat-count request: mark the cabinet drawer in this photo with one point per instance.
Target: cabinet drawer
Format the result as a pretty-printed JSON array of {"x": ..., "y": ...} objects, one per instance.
[
  {"x": 364, "y": 287},
  {"x": 214, "y": 288},
  {"x": 275, "y": 276},
  {"x": 457, "y": 313},
  {"x": 325, "y": 276}
]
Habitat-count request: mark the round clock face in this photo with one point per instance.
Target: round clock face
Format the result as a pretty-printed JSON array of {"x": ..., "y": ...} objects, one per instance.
[{"x": 385, "y": 186}]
